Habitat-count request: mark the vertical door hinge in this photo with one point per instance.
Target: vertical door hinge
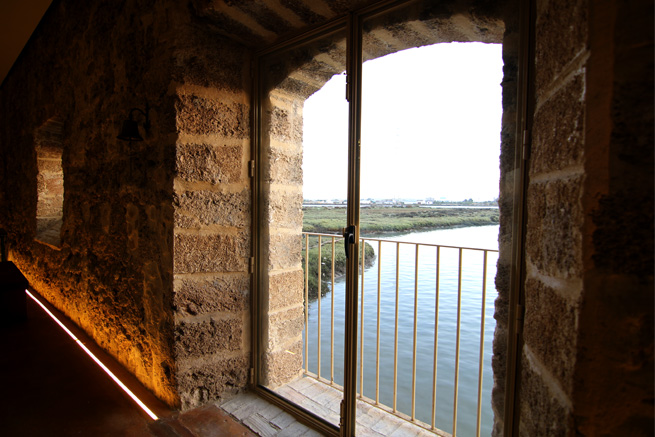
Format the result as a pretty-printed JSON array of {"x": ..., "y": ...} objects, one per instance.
[
  {"x": 343, "y": 415},
  {"x": 252, "y": 265},
  {"x": 251, "y": 168}
]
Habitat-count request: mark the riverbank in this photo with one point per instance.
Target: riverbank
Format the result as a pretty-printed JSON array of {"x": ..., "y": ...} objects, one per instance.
[
  {"x": 384, "y": 220},
  {"x": 326, "y": 264}
]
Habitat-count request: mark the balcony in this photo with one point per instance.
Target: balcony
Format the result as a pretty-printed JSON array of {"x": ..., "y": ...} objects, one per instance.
[{"x": 424, "y": 335}]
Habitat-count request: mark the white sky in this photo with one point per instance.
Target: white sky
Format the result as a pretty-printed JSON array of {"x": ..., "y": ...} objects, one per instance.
[{"x": 430, "y": 126}]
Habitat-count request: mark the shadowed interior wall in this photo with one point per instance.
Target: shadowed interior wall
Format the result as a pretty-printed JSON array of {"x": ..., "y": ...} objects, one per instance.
[
  {"x": 587, "y": 362},
  {"x": 88, "y": 64}
]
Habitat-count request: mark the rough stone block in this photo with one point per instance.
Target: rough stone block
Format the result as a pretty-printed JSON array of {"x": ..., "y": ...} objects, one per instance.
[
  {"x": 49, "y": 207},
  {"x": 54, "y": 185},
  {"x": 212, "y": 381},
  {"x": 281, "y": 367},
  {"x": 502, "y": 282},
  {"x": 199, "y": 116},
  {"x": 284, "y": 209},
  {"x": 550, "y": 330},
  {"x": 561, "y": 33},
  {"x": 203, "y": 208},
  {"x": 207, "y": 338},
  {"x": 207, "y": 163},
  {"x": 558, "y": 134},
  {"x": 228, "y": 292},
  {"x": 211, "y": 253},
  {"x": 49, "y": 150},
  {"x": 50, "y": 166},
  {"x": 554, "y": 240},
  {"x": 284, "y": 327},
  {"x": 225, "y": 69},
  {"x": 542, "y": 413},
  {"x": 285, "y": 289},
  {"x": 285, "y": 124},
  {"x": 499, "y": 367},
  {"x": 284, "y": 167},
  {"x": 284, "y": 251}
]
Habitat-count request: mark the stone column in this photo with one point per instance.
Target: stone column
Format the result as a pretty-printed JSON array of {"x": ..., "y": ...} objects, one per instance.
[{"x": 282, "y": 306}]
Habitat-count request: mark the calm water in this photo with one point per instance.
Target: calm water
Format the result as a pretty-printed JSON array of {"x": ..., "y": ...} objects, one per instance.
[{"x": 471, "y": 311}]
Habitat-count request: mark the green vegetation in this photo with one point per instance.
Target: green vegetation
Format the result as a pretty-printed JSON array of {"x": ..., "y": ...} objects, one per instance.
[
  {"x": 379, "y": 220},
  {"x": 326, "y": 264}
]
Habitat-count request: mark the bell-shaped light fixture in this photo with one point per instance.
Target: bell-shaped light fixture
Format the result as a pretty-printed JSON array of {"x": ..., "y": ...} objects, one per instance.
[{"x": 130, "y": 129}]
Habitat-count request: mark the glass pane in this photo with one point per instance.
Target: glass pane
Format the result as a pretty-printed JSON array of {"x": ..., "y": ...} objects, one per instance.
[
  {"x": 431, "y": 121},
  {"x": 304, "y": 146}
]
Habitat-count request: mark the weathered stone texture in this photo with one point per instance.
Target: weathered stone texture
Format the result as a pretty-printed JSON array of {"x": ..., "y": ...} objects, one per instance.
[
  {"x": 209, "y": 163},
  {"x": 284, "y": 251},
  {"x": 542, "y": 412},
  {"x": 285, "y": 289},
  {"x": 499, "y": 368},
  {"x": 212, "y": 380},
  {"x": 558, "y": 134},
  {"x": 561, "y": 35},
  {"x": 284, "y": 327},
  {"x": 71, "y": 108},
  {"x": 213, "y": 336},
  {"x": 223, "y": 70},
  {"x": 211, "y": 253},
  {"x": 202, "y": 116},
  {"x": 552, "y": 330},
  {"x": 228, "y": 293},
  {"x": 287, "y": 169},
  {"x": 285, "y": 123},
  {"x": 203, "y": 208},
  {"x": 553, "y": 240},
  {"x": 282, "y": 366},
  {"x": 284, "y": 209}
]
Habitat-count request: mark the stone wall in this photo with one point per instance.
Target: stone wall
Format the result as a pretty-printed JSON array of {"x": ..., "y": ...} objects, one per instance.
[
  {"x": 588, "y": 290},
  {"x": 613, "y": 383},
  {"x": 111, "y": 271},
  {"x": 212, "y": 238},
  {"x": 555, "y": 219},
  {"x": 50, "y": 181}
]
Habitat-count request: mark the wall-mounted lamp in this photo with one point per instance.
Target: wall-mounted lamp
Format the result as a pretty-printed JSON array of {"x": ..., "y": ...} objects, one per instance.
[{"x": 130, "y": 130}]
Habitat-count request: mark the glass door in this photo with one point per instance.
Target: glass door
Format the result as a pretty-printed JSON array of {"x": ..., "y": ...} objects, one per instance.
[
  {"x": 348, "y": 122},
  {"x": 430, "y": 141},
  {"x": 303, "y": 174}
]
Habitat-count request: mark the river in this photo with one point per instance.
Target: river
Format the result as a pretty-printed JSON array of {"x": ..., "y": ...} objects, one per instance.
[{"x": 471, "y": 311}]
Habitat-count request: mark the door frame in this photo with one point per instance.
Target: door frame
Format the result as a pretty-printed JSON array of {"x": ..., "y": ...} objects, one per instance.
[{"x": 352, "y": 23}]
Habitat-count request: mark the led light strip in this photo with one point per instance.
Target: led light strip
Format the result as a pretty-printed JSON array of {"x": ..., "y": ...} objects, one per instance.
[{"x": 98, "y": 362}]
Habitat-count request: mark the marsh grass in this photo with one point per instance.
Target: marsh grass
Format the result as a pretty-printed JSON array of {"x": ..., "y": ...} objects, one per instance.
[{"x": 380, "y": 220}]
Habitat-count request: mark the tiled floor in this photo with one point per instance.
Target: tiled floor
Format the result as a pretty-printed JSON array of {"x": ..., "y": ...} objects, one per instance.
[{"x": 323, "y": 400}]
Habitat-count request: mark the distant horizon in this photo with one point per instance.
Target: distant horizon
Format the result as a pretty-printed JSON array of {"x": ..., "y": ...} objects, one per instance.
[
  {"x": 428, "y": 199},
  {"x": 431, "y": 120}
]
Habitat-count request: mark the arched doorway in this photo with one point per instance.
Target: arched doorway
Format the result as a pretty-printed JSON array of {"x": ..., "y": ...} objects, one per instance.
[{"x": 288, "y": 74}]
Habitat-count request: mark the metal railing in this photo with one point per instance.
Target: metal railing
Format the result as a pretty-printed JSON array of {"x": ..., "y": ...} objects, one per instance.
[{"x": 456, "y": 273}]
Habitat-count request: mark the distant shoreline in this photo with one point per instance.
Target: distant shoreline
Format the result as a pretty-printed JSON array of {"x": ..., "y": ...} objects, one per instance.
[{"x": 398, "y": 220}]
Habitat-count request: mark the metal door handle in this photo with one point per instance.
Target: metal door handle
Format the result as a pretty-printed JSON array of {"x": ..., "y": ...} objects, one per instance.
[{"x": 348, "y": 238}]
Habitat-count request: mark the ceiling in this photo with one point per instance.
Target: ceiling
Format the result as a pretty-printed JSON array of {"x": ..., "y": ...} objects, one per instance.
[{"x": 18, "y": 19}]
